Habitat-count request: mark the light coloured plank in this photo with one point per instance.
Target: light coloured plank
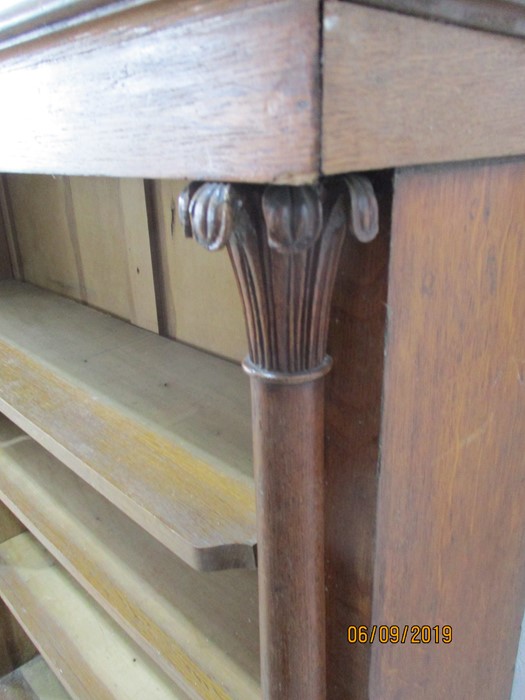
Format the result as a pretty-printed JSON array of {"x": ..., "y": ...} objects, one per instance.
[
  {"x": 86, "y": 650},
  {"x": 401, "y": 90},
  {"x": 96, "y": 225},
  {"x": 32, "y": 681},
  {"x": 86, "y": 238},
  {"x": 201, "y": 301},
  {"x": 201, "y": 629},
  {"x": 143, "y": 304},
  {"x": 42, "y": 231},
  {"x": 227, "y": 89},
  {"x": 160, "y": 429}
]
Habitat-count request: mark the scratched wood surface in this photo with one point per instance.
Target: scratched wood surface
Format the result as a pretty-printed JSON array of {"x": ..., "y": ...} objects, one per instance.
[
  {"x": 32, "y": 681},
  {"x": 226, "y": 89},
  {"x": 86, "y": 650},
  {"x": 201, "y": 629},
  {"x": 86, "y": 238},
  {"x": 160, "y": 429},
  {"x": 399, "y": 90},
  {"x": 451, "y": 528}
]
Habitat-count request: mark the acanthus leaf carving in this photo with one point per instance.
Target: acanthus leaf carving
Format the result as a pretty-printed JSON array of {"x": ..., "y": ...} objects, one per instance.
[
  {"x": 284, "y": 243},
  {"x": 364, "y": 217},
  {"x": 293, "y": 217}
]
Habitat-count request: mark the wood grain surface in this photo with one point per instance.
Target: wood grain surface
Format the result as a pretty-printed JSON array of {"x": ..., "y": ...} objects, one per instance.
[
  {"x": 160, "y": 429},
  {"x": 353, "y": 408},
  {"x": 502, "y": 16},
  {"x": 399, "y": 90},
  {"x": 201, "y": 629},
  {"x": 227, "y": 89},
  {"x": 199, "y": 297},
  {"x": 85, "y": 238},
  {"x": 92, "y": 657},
  {"x": 451, "y": 528},
  {"x": 288, "y": 455}
]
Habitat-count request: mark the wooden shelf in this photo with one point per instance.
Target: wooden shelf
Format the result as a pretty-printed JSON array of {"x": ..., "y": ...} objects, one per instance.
[
  {"x": 32, "y": 681},
  {"x": 86, "y": 650},
  {"x": 160, "y": 429},
  {"x": 201, "y": 628}
]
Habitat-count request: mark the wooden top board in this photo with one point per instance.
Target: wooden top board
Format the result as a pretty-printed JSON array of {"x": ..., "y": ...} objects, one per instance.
[
  {"x": 226, "y": 89},
  {"x": 162, "y": 430}
]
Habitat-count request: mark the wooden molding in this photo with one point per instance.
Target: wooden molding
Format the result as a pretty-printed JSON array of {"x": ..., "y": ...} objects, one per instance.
[{"x": 284, "y": 244}]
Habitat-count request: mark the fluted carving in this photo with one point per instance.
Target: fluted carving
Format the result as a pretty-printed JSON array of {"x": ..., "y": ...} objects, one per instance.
[{"x": 284, "y": 243}]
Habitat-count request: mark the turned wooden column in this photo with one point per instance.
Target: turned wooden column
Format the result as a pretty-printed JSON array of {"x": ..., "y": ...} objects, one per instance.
[{"x": 284, "y": 243}]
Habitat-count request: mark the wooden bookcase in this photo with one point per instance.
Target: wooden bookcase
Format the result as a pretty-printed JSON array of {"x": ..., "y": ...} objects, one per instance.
[{"x": 174, "y": 528}]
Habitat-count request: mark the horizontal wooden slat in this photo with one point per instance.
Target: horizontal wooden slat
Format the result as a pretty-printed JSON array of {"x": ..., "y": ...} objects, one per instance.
[
  {"x": 85, "y": 649},
  {"x": 162, "y": 430},
  {"x": 226, "y": 89},
  {"x": 400, "y": 90},
  {"x": 201, "y": 628},
  {"x": 32, "y": 681}
]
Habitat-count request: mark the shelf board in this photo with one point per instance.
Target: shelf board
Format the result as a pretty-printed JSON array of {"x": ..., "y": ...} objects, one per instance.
[
  {"x": 93, "y": 658},
  {"x": 160, "y": 429},
  {"x": 32, "y": 681},
  {"x": 200, "y": 628}
]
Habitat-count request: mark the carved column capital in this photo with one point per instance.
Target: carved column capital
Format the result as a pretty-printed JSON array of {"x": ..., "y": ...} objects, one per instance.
[{"x": 284, "y": 243}]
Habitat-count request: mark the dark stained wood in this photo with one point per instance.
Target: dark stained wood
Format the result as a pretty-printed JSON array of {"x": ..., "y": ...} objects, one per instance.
[
  {"x": 15, "y": 646},
  {"x": 9, "y": 524},
  {"x": 502, "y": 16},
  {"x": 226, "y": 89},
  {"x": 451, "y": 529},
  {"x": 285, "y": 244},
  {"x": 288, "y": 458},
  {"x": 10, "y": 260},
  {"x": 353, "y": 406},
  {"x": 5, "y": 259},
  {"x": 399, "y": 90}
]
